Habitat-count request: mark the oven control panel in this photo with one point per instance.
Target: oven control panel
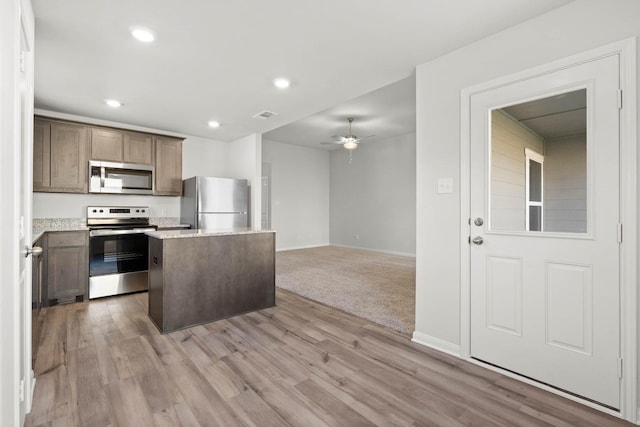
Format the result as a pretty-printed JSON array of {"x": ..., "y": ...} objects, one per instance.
[{"x": 125, "y": 212}]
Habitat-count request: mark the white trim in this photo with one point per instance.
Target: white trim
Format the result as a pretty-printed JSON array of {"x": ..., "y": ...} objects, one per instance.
[
  {"x": 295, "y": 248},
  {"x": 629, "y": 217},
  {"x": 436, "y": 343},
  {"x": 626, "y": 49},
  {"x": 382, "y": 251}
]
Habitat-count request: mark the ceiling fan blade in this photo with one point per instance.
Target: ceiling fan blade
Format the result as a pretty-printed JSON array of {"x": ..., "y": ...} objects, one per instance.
[
  {"x": 365, "y": 137},
  {"x": 332, "y": 142}
]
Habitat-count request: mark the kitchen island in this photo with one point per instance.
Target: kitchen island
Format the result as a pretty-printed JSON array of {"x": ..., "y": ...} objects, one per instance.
[{"x": 198, "y": 276}]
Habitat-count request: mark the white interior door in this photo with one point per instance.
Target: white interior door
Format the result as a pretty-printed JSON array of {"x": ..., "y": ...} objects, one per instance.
[
  {"x": 24, "y": 185},
  {"x": 545, "y": 206}
]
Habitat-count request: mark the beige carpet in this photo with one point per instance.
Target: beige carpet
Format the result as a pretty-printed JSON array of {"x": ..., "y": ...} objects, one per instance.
[{"x": 372, "y": 285}]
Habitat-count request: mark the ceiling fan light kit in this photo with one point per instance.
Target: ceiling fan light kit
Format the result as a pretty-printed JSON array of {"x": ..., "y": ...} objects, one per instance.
[{"x": 350, "y": 144}]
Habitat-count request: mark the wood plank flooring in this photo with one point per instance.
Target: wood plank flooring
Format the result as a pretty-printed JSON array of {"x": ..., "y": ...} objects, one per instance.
[{"x": 103, "y": 363}]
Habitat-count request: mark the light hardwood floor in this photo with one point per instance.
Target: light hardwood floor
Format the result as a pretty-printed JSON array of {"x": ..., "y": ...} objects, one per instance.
[{"x": 300, "y": 363}]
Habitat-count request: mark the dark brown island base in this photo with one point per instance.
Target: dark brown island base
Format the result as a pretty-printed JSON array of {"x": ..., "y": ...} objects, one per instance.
[{"x": 198, "y": 276}]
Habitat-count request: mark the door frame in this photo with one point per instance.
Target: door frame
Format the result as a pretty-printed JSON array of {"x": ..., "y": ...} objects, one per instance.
[{"x": 626, "y": 49}]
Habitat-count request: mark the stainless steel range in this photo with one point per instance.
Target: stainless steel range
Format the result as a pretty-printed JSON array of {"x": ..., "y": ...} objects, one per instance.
[{"x": 118, "y": 249}]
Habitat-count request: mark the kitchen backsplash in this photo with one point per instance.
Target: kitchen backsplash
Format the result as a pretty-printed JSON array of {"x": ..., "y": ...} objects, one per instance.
[
  {"x": 58, "y": 224},
  {"x": 164, "y": 221},
  {"x": 43, "y": 224}
]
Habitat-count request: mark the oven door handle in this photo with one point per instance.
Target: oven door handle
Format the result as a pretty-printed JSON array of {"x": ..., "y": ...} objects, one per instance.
[{"x": 111, "y": 232}]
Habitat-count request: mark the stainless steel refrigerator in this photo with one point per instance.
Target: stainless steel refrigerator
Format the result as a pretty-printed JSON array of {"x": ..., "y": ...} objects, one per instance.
[{"x": 214, "y": 203}]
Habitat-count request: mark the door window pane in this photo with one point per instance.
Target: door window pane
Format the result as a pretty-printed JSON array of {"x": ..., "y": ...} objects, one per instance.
[
  {"x": 535, "y": 181},
  {"x": 538, "y": 173},
  {"x": 535, "y": 218}
]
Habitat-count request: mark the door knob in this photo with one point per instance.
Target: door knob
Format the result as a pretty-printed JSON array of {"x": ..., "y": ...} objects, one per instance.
[
  {"x": 478, "y": 221},
  {"x": 477, "y": 240}
]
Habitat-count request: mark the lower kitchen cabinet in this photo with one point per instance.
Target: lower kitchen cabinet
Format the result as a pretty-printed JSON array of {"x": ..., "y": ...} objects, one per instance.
[{"x": 67, "y": 266}]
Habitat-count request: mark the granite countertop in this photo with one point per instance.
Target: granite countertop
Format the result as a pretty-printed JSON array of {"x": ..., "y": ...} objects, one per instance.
[
  {"x": 181, "y": 234},
  {"x": 44, "y": 225}
]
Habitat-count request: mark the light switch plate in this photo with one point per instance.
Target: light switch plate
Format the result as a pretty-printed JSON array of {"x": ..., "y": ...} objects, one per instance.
[{"x": 445, "y": 185}]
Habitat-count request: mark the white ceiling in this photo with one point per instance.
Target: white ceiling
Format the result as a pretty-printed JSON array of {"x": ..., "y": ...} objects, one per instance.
[
  {"x": 216, "y": 59},
  {"x": 385, "y": 112}
]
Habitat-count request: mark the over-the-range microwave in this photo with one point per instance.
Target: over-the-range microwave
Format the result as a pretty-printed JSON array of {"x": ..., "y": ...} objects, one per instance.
[{"x": 120, "y": 178}]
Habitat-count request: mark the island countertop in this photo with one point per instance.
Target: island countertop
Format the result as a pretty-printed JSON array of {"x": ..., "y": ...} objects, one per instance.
[{"x": 182, "y": 234}]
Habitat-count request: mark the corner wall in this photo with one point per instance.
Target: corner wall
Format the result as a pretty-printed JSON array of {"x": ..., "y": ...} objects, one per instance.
[
  {"x": 373, "y": 199},
  {"x": 299, "y": 194},
  {"x": 245, "y": 162}
]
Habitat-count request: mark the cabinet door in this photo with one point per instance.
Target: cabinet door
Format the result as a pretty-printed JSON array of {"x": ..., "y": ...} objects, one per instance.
[
  {"x": 106, "y": 144},
  {"x": 69, "y": 163},
  {"x": 67, "y": 265},
  {"x": 168, "y": 171},
  {"x": 138, "y": 148},
  {"x": 41, "y": 154}
]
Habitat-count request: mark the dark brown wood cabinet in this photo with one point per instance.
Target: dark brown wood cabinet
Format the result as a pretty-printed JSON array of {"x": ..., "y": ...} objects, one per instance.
[
  {"x": 69, "y": 161},
  {"x": 107, "y": 144},
  {"x": 116, "y": 145},
  {"x": 60, "y": 157},
  {"x": 41, "y": 155},
  {"x": 168, "y": 171},
  {"x": 62, "y": 150},
  {"x": 138, "y": 148},
  {"x": 67, "y": 266}
]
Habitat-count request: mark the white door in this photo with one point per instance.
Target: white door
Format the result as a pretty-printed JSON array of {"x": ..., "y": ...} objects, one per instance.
[
  {"x": 24, "y": 185},
  {"x": 545, "y": 206}
]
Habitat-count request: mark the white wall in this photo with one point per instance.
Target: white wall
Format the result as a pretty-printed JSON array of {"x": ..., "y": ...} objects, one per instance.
[
  {"x": 245, "y": 162},
  {"x": 373, "y": 199},
  {"x": 574, "y": 28},
  {"x": 299, "y": 194},
  {"x": 200, "y": 156}
]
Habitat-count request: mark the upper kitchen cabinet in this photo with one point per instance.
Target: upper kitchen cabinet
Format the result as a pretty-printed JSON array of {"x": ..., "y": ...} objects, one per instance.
[
  {"x": 41, "y": 155},
  {"x": 168, "y": 171},
  {"x": 62, "y": 150},
  {"x": 60, "y": 156},
  {"x": 138, "y": 148},
  {"x": 107, "y": 144},
  {"x": 115, "y": 145}
]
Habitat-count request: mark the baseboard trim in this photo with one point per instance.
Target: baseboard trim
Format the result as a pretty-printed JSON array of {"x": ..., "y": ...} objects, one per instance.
[
  {"x": 405, "y": 254},
  {"x": 436, "y": 343},
  {"x": 293, "y": 248}
]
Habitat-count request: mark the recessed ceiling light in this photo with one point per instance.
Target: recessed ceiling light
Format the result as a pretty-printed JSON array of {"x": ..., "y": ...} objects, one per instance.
[
  {"x": 214, "y": 124},
  {"x": 144, "y": 35},
  {"x": 281, "y": 83},
  {"x": 114, "y": 103}
]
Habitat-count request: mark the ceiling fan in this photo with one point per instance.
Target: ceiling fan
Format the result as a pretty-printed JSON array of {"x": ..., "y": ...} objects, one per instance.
[{"x": 349, "y": 142}]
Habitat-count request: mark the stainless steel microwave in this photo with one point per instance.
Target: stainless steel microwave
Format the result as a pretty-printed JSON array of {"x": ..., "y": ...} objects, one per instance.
[{"x": 120, "y": 178}]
